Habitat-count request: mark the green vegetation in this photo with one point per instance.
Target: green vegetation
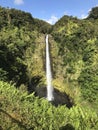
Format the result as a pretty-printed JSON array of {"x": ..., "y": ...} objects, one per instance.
[
  {"x": 19, "y": 38},
  {"x": 74, "y": 57},
  {"x": 93, "y": 13},
  {"x": 21, "y": 111},
  {"x": 77, "y": 41}
]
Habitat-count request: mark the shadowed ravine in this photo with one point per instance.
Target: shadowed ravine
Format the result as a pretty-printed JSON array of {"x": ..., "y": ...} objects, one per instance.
[
  {"x": 50, "y": 92},
  {"x": 60, "y": 98}
]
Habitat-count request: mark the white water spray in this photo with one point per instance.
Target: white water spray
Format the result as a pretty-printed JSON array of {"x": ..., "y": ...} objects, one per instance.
[{"x": 48, "y": 73}]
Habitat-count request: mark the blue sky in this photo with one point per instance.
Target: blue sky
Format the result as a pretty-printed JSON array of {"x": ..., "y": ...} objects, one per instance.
[{"x": 52, "y": 10}]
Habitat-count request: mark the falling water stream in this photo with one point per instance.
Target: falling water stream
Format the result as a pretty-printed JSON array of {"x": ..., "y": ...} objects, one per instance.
[{"x": 50, "y": 96}]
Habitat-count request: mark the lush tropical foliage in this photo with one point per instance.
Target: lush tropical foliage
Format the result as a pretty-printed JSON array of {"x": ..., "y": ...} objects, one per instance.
[
  {"x": 21, "y": 111},
  {"x": 74, "y": 58}
]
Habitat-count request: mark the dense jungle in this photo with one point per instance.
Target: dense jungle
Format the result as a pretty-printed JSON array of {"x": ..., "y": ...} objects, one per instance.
[{"x": 74, "y": 62}]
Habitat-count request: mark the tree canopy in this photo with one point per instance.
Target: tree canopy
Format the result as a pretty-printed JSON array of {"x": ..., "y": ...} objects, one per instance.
[{"x": 74, "y": 61}]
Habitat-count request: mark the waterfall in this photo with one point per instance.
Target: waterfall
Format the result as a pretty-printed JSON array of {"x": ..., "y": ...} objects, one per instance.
[{"x": 48, "y": 73}]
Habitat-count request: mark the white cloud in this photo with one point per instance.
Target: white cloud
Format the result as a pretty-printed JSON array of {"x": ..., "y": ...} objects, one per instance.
[
  {"x": 89, "y": 10},
  {"x": 83, "y": 16},
  {"x": 18, "y": 2},
  {"x": 52, "y": 20}
]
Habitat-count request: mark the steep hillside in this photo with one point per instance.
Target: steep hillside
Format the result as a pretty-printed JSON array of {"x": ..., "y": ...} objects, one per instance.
[
  {"x": 77, "y": 42},
  {"x": 74, "y": 61},
  {"x": 73, "y": 49},
  {"x": 20, "y": 37}
]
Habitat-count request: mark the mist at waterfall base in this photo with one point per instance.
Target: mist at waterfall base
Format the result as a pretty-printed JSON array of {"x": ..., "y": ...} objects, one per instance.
[{"x": 50, "y": 96}]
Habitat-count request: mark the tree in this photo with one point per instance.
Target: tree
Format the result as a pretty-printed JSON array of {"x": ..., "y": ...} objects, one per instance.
[{"x": 93, "y": 13}]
